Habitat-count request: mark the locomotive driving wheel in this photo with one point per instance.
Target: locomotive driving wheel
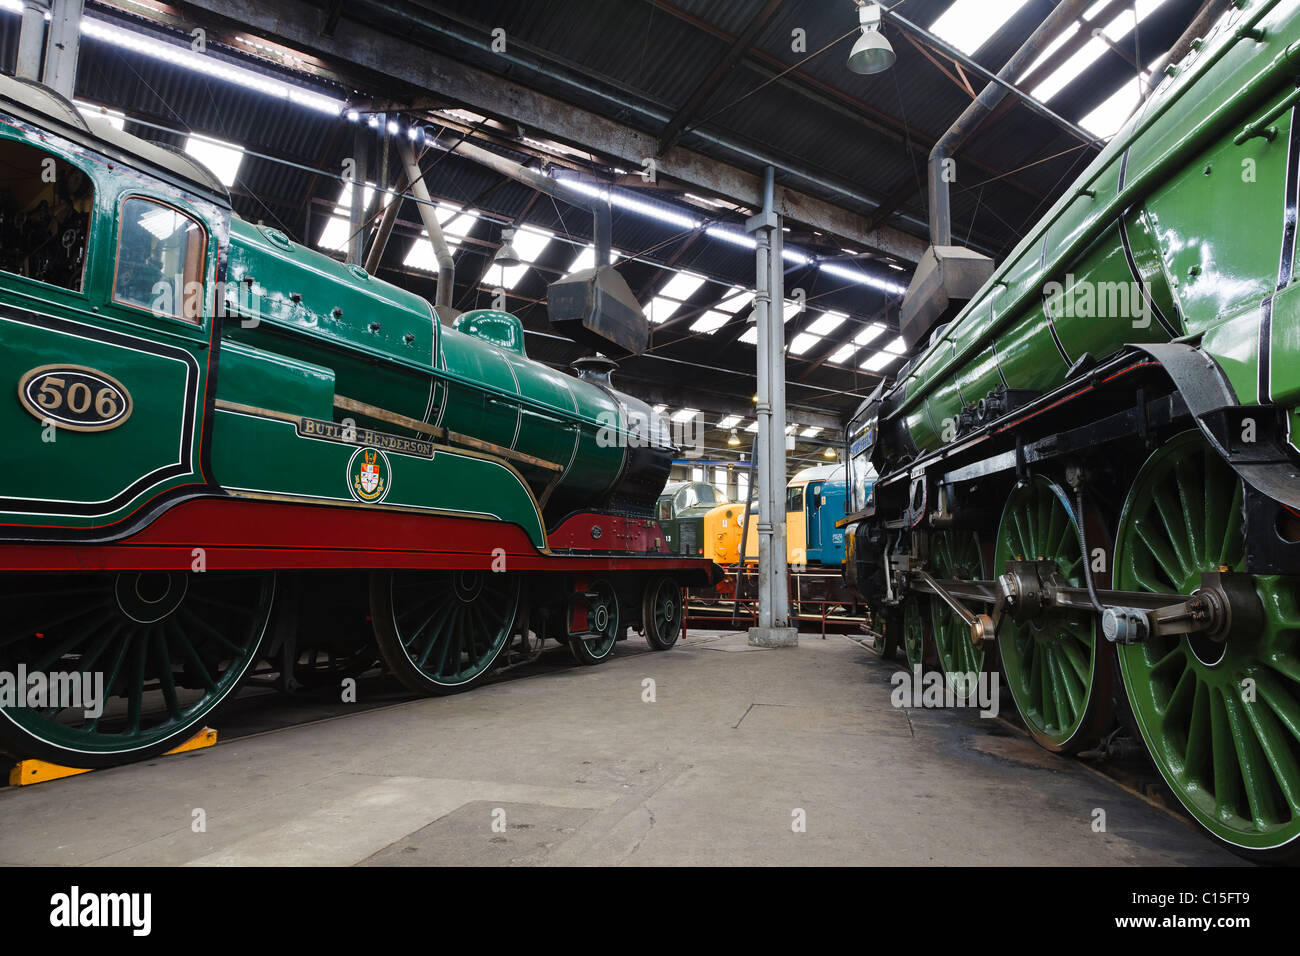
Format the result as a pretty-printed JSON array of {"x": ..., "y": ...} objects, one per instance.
[
  {"x": 1058, "y": 675},
  {"x": 603, "y": 626},
  {"x": 439, "y": 632},
  {"x": 914, "y": 633},
  {"x": 165, "y": 648},
  {"x": 1221, "y": 720},
  {"x": 661, "y": 613},
  {"x": 956, "y": 555}
]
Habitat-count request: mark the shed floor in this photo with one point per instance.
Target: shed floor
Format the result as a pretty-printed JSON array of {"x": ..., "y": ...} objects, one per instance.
[{"x": 574, "y": 767}]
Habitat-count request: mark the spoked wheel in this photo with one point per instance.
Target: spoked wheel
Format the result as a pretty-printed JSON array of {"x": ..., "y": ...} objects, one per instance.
[
  {"x": 1220, "y": 720},
  {"x": 956, "y": 556},
  {"x": 602, "y": 623},
  {"x": 1058, "y": 675},
  {"x": 887, "y": 645},
  {"x": 166, "y": 648},
  {"x": 661, "y": 613},
  {"x": 439, "y": 632},
  {"x": 914, "y": 637}
]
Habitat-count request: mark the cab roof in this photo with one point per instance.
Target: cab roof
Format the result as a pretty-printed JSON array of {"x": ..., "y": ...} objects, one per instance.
[{"x": 40, "y": 106}]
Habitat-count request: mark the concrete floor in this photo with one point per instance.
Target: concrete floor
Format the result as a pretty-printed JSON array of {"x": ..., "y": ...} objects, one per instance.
[{"x": 576, "y": 769}]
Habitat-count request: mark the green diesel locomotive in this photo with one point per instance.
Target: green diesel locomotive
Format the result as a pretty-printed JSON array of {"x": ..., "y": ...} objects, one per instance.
[
  {"x": 224, "y": 448},
  {"x": 1089, "y": 477}
]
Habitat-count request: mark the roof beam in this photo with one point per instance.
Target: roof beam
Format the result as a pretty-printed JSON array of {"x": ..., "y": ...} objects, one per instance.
[
  {"x": 362, "y": 49},
  {"x": 739, "y": 47}
]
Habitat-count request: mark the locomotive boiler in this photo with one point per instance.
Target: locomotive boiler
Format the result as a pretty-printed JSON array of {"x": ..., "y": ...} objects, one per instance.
[{"x": 1089, "y": 478}]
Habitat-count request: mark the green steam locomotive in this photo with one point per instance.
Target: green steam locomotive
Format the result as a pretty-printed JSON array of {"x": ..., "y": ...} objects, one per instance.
[
  {"x": 224, "y": 451},
  {"x": 1089, "y": 477}
]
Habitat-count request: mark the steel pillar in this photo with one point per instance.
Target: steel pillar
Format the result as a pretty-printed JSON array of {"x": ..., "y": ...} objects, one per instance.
[
  {"x": 31, "y": 41},
  {"x": 62, "y": 44},
  {"x": 773, "y": 628}
]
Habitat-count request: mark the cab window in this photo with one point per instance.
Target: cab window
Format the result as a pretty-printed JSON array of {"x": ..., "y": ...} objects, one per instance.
[
  {"x": 45, "y": 207},
  {"x": 665, "y": 509},
  {"x": 794, "y": 499},
  {"x": 686, "y": 498},
  {"x": 708, "y": 495},
  {"x": 160, "y": 258}
]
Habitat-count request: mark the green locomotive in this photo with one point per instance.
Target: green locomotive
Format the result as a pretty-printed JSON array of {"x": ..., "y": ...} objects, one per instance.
[
  {"x": 1090, "y": 475},
  {"x": 222, "y": 447}
]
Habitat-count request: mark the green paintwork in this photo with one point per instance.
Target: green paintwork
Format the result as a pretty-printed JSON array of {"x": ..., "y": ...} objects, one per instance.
[
  {"x": 157, "y": 359},
  {"x": 1285, "y": 368},
  {"x": 501, "y": 329},
  {"x": 473, "y": 379},
  {"x": 242, "y": 454},
  {"x": 956, "y": 555},
  {"x": 1221, "y": 721},
  {"x": 297, "y": 331},
  {"x": 1203, "y": 218}
]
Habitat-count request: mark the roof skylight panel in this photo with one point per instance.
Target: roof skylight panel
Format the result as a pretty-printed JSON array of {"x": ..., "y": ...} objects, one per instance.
[{"x": 968, "y": 24}]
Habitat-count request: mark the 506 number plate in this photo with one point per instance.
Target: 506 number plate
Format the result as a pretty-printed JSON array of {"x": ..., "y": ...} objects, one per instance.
[{"x": 75, "y": 397}]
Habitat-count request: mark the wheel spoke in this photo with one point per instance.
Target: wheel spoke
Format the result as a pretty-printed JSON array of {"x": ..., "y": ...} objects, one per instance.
[
  {"x": 1252, "y": 765},
  {"x": 1050, "y": 664},
  {"x": 187, "y": 648},
  {"x": 165, "y": 670},
  {"x": 194, "y": 620},
  {"x": 1222, "y": 721},
  {"x": 137, "y": 638}
]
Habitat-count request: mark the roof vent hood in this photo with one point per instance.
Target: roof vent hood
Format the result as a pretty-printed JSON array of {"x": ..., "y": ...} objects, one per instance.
[
  {"x": 596, "y": 307},
  {"x": 946, "y": 279},
  {"x": 948, "y": 275}
]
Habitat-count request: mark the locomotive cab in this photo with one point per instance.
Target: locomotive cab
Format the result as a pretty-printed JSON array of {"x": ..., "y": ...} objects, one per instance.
[
  {"x": 681, "y": 512},
  {"x": 107, "y": 250}
]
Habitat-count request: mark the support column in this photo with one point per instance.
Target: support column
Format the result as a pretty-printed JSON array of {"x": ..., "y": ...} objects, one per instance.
[
  {"x": 31, "y": 41},
  {"x": 773, "y": 628},
  {"x": 62, "y": 44}
]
